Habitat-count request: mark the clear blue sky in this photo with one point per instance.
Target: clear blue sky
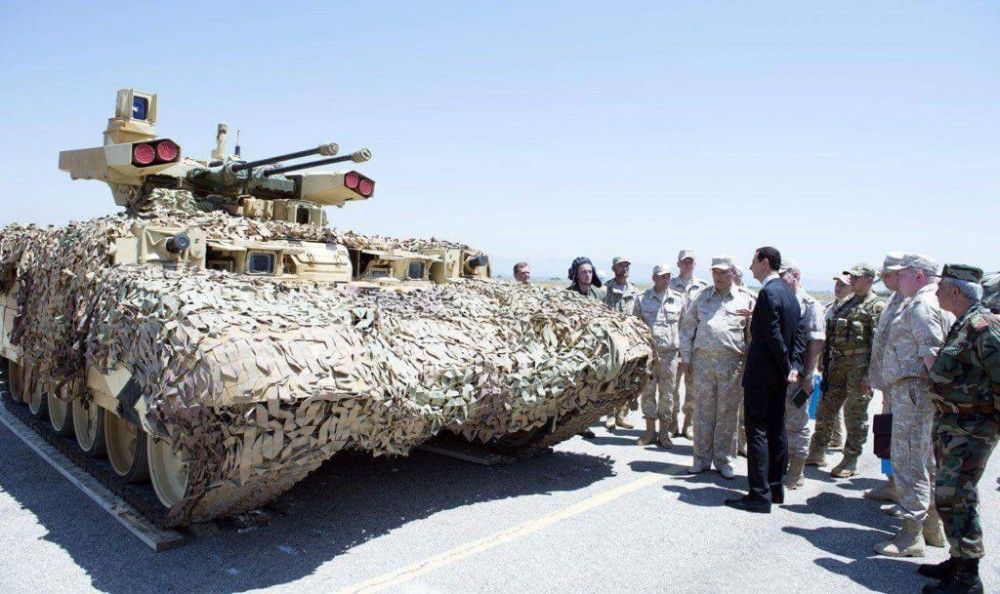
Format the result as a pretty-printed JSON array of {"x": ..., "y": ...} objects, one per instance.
[{"x": 836, "y": 131}]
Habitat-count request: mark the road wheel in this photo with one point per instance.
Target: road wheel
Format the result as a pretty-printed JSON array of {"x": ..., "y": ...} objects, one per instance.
[
  {"x": 167, "y": 471},
  {"x": 88, "y": 424},
  {"x": 60, "y": 415},
  {"x": 126, "y": 446},
  {"x": 15, "y": 381}
]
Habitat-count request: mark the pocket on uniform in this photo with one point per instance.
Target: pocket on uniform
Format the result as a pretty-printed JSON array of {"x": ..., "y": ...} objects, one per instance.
[{"x": 857, "y": 331}]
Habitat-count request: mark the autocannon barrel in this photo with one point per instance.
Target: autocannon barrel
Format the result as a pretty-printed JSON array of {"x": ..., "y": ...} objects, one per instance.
[
  {"x": 327, "y": 150},
  {"x": 357, "y": 156}
]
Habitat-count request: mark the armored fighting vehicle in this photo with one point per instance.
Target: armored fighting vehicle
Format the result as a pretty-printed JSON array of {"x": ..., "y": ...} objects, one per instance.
[{"x": 218, "y": 340}]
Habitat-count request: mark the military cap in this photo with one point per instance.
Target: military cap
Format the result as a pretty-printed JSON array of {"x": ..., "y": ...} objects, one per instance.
[
  {"x": 685, "y": 253},
  {"x": 661, "y": 269},
  {"x": 842, "y": 278},
  {"x": 921, "y": 262},
  {"x": 722, "y": 263},
  {"x": 861, "y": 269},
  {"x": 788, "y": 264},
  {"x": 962, "y": 272},
  {"x": 892, "y": 262},
  {"x": 618, "y": 260}
]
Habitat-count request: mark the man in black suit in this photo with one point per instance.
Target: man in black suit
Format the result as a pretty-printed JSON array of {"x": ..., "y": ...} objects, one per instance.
[{"x": 774, "y": 360}]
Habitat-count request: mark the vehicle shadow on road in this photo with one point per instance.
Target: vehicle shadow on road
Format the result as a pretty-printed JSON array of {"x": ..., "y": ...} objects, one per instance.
[
  {"x": 865, "y": 567},
  {"x": 352, "y": 499}
]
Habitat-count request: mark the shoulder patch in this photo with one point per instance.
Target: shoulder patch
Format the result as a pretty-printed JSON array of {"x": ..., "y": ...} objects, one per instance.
[{"x": 978, "y": 321}]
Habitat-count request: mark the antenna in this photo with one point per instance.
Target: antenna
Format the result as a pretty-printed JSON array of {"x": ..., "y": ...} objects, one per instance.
[{"x": 237, "y": 143}]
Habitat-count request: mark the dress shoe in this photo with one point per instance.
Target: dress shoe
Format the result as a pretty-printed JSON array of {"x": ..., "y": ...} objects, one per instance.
[{"x": 748, "y": 505}]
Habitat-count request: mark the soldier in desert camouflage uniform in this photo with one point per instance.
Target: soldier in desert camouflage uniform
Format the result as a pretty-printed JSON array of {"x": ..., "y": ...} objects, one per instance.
[
  {"x": 966, "y": 376},
  {"x": 741, "y": 447},
  {"x": 886, "y": 491},
  {"x": 915, "y": 337},
  {"x": 688, "y": 285},
  {"x": 714, "y": 339},
  {"x": 849, "y": 337},
  {"x": 660, "y": 307},
  {"x": 620, "y": 295},
  {"x": 813, "y": 327}
]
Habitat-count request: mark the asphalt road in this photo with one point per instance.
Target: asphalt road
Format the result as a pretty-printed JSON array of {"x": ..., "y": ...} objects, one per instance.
[{"x": 593, "y": 516}]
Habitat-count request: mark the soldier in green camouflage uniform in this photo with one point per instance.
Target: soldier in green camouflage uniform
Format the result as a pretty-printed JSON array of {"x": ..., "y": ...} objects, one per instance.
[
  {"x": 849, "y": 338},
  {"x": 966, "y": 376},
  {"x": 620, "y": 295}
]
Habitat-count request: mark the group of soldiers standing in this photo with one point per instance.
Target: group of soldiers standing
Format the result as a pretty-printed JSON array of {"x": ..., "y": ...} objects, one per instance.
[{"x": 932, "y": 350}]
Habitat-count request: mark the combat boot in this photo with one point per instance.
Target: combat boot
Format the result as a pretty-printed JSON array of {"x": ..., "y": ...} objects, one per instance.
[
  {"x": 964, "y": 580},
  {"x": 675, "y": 426},
  {"x": 817, "y": 455},
  {"x": 689, "y": 427},
  {"x": 884, "y": 492},
  {"x": 847, "y": 468},
  {"x": 934, "y": 529},
  {"x": 650, "y": 435},
  {"x": 610, "y": 423},
  {"x": 621, "y": 419},
  {"x": 663, "y": 437},
  {"x": 940, "y": 571},
  {"x": 795, "y": 477},
  {"x": 909, "y": 542}
]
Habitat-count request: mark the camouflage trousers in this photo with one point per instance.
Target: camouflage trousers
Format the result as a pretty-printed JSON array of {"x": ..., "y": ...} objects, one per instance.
[
  {"x": 688, "y": 408},
  {"x": 718, "y": 397},
  {"x": 844, "y": 390},
  {"x": 796, "y": 425},
  {"x": 963, "y": 444},
  {"x": 912, "y": 449},
  {"x": 658, "y": 395}
]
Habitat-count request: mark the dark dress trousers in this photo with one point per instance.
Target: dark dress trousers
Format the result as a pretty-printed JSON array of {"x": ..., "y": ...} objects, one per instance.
[{"x": 776, "y": 347}]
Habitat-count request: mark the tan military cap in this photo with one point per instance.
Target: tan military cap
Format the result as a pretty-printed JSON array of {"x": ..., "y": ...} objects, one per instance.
[
  {"x": 685, "y": 253},
  {"x": 788, "y": 264},
  {"x": 861, "y": 269},
  {"x": 619, "y": 259},
  {"x": 891, "y": 262},
  {"x": 662, "y": 269},
  {"x": 842, "y": 278},
  {"x": 920, "y": 262},
  {"x": 723, "y": 263},
  {"x": 962, "y": 272}
]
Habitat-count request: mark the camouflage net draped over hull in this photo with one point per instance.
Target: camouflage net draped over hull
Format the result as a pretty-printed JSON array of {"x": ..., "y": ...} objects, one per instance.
[{"x": 258, "y": 380}]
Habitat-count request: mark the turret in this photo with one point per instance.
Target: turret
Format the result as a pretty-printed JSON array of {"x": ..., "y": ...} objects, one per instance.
[{"x": 134, "y": 160}]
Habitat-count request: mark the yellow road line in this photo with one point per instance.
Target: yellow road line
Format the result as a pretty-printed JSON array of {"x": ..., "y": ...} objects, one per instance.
[{"x": 504, "y": 536}]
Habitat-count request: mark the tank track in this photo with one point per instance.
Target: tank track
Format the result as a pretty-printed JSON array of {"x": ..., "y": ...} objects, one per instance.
[{"x": 141, "y": 497}]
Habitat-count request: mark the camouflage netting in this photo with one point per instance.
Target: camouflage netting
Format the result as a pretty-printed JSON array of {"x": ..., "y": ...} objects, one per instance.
[{"x": 257, "y": 380}]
